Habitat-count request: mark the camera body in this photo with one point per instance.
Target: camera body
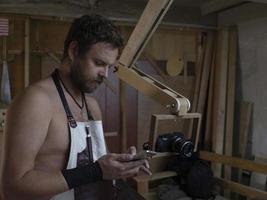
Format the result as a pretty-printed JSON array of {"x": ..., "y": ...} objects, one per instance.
[{"x": 174, "y": 142}]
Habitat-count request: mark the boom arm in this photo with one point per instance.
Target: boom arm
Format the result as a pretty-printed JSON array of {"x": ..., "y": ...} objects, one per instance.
[{"x": 149, "y": 21}]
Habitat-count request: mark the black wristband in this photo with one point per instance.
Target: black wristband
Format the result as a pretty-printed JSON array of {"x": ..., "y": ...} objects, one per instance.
[{"x": 83, "y": 175}]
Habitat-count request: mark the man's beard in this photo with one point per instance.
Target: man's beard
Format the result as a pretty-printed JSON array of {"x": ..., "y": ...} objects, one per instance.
[{"x": 83, "y": 84}]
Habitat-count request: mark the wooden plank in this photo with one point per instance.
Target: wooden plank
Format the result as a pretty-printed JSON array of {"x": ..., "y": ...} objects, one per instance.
[
  {"x": 123, "y": 117},
  {"x": 153, "y": 131},
  {"x": 154, "y": 89},
  {"x": 205, "y": 73},
  {"x": 203, "y": 90},
  {"x": 209, "y": 115},
  {"x": 218, "y": 5},
  {"x": 156, "y": 176},
  {"x": 27, "y": 53},
  {"x": 148, "y": 22},
  {"x": 259, "y": 180},
  {"x": 245, "y": 120},
  {"x": 218, "y": 128},
  {"x": 247, "y": 191},
  {"x": 230, "y": 100},
  {"x": 234, "y": 162},
  {"x": 199, "y": 68},
  {"x": 244, "y": 176}
]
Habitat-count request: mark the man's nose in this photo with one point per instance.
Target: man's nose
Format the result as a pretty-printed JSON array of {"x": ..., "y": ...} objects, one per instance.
[{"x": 104, "y": 72}]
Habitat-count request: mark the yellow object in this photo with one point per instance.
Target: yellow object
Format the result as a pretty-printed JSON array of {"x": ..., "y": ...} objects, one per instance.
[{"x": 175, "y": 65}]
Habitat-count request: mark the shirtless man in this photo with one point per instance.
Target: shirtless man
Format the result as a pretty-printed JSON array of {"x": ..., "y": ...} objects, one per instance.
[{"x": 54, "y": 137}]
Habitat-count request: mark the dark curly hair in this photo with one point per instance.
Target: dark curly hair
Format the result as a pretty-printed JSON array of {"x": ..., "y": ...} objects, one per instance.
[{"x": 89, "y": 30}]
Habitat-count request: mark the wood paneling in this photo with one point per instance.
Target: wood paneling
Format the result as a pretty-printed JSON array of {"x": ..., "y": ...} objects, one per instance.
[{"x": 50, "y": 34}]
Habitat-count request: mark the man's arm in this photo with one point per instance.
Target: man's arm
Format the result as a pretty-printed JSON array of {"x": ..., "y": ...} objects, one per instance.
[
  {"x": 28, "y": 120},
  {"x": 27, "y": 124},
  {"x": 118, "y": 165}
]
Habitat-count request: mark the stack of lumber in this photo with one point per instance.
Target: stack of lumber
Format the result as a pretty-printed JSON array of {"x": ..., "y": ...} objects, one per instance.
[{"x": 214, "y": 94}]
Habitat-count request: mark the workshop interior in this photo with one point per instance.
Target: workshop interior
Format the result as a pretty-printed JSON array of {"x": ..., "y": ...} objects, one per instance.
[{"x": 189, "y": 87}]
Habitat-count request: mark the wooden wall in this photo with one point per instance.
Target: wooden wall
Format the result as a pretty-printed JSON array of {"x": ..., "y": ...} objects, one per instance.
[{"x": 48, "y": 34}]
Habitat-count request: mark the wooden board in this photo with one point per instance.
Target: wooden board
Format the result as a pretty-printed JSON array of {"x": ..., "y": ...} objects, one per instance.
[
  {"x": 209, "y": 115},
  {"x": 245, "y": 121},
  {"x": 230, "y": 100},
  {"x": 207, "y": 63},
  {"x": 199, "y": 68},
  {"x": 234, "y": 162},
  {"x": 244, "y": 176},
  {"x": 148, "y": 22},
  {"x": 218, "y": 128}
]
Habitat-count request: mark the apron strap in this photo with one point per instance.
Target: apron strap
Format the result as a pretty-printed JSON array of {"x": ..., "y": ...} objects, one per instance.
[
  {"x": 70, "y": 117},
  {"x": 89, "y": 115}
]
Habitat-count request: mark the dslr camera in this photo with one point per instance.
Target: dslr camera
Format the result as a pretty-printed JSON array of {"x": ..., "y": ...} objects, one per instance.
[{"x": 174, "y": 142}]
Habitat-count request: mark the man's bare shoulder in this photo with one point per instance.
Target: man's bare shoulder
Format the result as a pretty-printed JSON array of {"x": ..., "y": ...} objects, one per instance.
[
  {"x": 93, "y": 107},
  {"x": 38, "y": 94}
]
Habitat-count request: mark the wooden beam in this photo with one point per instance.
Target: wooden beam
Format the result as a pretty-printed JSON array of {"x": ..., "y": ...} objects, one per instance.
[
  {"x": 245, "y": 121},
  {"x": 218, "y": 5},
  {"x": 156, "y": 176},
  {"x": 247, "y": 191},
  {"x": 147, "y": 24},
  {"x": 219, "y": 101},
  {"x": 209, "y": 115},
  {"x": 199, "y": 68},
  {"x": 234, "y": 162},
  {"x": 126, "y": 70},
  {"x": 27, "y": 53},
  {"x": 230, "y": 99},
  {"x": 207, "y": 63},
  {"x": 173, "y": 101},
  {"x": 123, "y": 117},
  {"x": 44, "y": 9}
]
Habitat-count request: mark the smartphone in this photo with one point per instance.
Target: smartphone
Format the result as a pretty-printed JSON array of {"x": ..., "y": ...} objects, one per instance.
[{"x": 144, "y": 154}]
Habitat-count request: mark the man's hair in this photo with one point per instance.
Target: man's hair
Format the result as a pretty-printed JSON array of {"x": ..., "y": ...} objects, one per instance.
[{"x": 89, "y": 30}]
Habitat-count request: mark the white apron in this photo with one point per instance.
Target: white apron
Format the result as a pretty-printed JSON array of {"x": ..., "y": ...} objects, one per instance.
[
  {"x": 78, "y": 146},
  {"x": 86, "y": 146}
]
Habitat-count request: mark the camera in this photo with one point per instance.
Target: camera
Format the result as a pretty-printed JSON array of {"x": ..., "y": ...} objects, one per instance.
[{"x": 174, "y": 142}]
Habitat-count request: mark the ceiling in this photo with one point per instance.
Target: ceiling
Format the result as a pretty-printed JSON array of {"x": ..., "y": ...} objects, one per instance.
[{"x": 189, "y": 12}]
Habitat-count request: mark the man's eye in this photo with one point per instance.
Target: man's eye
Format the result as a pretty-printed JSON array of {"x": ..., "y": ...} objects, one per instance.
[{"x": 98, "y": 63}]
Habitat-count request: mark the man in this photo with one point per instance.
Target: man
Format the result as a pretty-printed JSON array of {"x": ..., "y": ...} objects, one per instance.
[{"x": 54, "y": 136}]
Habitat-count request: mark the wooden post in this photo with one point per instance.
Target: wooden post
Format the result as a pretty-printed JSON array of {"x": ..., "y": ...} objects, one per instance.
[
  {"x": 199, "y": 68},
  {"x": 27, "y": 53},
  {"x": 209, "y": 115},
  {"x": 123, "y": 117},
  {"x": 230, "y": 100},
  {"x": 218, "y": 128}
]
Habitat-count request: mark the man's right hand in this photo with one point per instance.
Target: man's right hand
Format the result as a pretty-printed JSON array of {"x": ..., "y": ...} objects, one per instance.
[{"x": 116, "y": 166}]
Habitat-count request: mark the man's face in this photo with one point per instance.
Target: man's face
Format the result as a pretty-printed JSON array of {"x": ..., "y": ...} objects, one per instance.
[{"x": 88, "y": 72}]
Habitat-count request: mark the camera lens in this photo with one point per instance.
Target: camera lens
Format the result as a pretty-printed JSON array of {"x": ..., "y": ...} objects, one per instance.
[
  {"x": 188, "y": 149},
  {"x": 183, "y": 147}
]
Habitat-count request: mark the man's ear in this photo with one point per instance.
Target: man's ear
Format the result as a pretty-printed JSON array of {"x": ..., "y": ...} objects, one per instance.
[{"x": 73, "y": 50}]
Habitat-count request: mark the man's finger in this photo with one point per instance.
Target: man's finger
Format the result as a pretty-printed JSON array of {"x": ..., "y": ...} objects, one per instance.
[
  {"x": 147, "y": 164},
  {"x": 132, "y": 150},
  {"x": 122, "y": 157},
  {"x": 131, "y": 172},
  {"x": 145, "y": 170},
  {"x": 132, "y": 164}
]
